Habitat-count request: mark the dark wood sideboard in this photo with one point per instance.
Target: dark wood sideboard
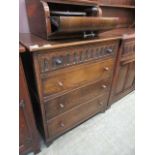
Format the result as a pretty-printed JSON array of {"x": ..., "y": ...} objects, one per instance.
[
  {"x": 28, "y": 134},
  {"x": 71, "y": 80},
  {"x": 124, "y": 77}
]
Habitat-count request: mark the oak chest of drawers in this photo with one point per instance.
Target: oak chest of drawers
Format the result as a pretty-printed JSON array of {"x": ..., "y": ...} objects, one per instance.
[{"x": 73, "y": 81}]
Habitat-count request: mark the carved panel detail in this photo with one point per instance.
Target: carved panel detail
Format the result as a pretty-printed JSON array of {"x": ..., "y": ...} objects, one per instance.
[
  {"x": 129, "y": 47},
  {"x": 56, "y": 60}
]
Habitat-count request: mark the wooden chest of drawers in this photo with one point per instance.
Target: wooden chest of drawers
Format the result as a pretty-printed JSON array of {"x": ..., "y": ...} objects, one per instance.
[{"x": 73, "y": 82}]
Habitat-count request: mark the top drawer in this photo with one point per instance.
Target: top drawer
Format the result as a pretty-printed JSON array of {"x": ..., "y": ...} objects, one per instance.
[
  {"x": 73, "y": 77},
  {"x": 61, "y": 58}
]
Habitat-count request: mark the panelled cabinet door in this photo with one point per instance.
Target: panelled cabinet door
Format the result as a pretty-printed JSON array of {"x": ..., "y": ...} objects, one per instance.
[
  {"x": 25, "y": 138},
  {"x": 28, "y": 135},
  {"x": 24, "y": 134},
  {"x": 124, "y": 76}
]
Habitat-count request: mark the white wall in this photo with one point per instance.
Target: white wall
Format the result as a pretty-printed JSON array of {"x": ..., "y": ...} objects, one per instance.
[{"x": 23, "y": 21}]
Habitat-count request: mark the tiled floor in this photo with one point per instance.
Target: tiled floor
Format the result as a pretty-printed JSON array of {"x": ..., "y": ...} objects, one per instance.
[{"x": 109, "y": 133}]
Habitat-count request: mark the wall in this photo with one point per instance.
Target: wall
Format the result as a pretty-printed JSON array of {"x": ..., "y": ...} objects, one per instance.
[{"x": 23, "y": 21}]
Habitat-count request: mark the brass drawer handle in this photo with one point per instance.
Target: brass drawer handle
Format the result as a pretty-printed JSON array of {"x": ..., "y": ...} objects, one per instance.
[
  {"x": 58, "y": 61},
  {"x": 61, "y": 105},
  {"x": 106, "y": 68},
  {"x": 104, "y": 86},
  {"x": 109, "y": 50},
  {"x": 62, "y": 125},
  {"x": 100, "y": 103},
  {"x": 60, "y": 84}
]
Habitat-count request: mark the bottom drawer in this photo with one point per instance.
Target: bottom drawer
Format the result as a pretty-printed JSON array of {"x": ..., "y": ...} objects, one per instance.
[{"x": 71, "y": 118}]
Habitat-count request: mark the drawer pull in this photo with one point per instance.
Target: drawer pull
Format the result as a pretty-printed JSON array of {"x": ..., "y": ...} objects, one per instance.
[
  {"x": 104, "y": 86},
  {"x": 106, "y": 68},
  {"x": 92, "y": 34},
  {"x": 58, "y": 61},
  {"x": 22, "y": 104},
  {"x": 60, "y": 84},
  {"x": 62, "y": 125},
  {"x": 101, "y": 103},
  {"x": 61, "y": 105},
  {"x": 109, "y": 50}
]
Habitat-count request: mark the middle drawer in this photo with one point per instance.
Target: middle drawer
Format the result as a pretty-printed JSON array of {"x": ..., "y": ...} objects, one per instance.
[
  {"x": 78, "y": 96},
  {"x": 74, "y": 77}
]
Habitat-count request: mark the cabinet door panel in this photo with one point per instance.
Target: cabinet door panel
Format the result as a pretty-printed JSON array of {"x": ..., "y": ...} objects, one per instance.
[
  {"x": 130, "y": 76},
  {"x": 28, "y": 135},
  {"x": 123, "y": 82},
  {"x": 121, "y": 78},
  {"x": 25, "y": 137},
  {"x": 124, "y": 74},
  {"x": 125, "y": 77},
  {"x": 24, "y": 134}
]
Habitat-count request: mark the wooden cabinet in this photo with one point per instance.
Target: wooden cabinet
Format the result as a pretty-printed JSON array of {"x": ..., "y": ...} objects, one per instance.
[
  {"x": 73, "y": 82},
  {"x": 86, "y": 60},
  {"x": 124, "y": 77},
  {"x": 28, "y": 135}
]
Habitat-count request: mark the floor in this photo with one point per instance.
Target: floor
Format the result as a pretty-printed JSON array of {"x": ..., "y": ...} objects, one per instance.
[{"x": 109, "y": 133}]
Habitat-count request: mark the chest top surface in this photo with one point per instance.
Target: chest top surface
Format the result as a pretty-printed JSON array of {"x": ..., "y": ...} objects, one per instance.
[
  {"x": 21, "y": 48},
  {"x": 34, "y": 43}
]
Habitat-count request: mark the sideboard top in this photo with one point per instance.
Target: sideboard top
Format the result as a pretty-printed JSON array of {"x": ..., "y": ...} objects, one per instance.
[
  {"x": 21, "y": 48},
  {"x": 34, "y": 43}
]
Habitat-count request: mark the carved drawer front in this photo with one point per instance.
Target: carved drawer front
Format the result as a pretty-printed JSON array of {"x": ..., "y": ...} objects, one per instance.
[
  {"x": 69, "y": 78},
  {"x": 128, "y": 47},
  {"x": 76, "y": 97},
  {"x": 73, "y": 117},
  {"x": 72, "y": 56}
]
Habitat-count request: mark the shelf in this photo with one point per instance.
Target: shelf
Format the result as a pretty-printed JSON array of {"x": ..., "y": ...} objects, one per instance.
[{"x": 118, "y": 6}]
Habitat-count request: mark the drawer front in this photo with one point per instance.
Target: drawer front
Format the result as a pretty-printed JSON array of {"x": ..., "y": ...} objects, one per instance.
[
  {"x": 70, "y": 119},
  {"x": 74, "y": 77},
  {"x": 128, "y": 47},
  {"x": 76, "y": 97},
  {"x": 71, "y": 56}
]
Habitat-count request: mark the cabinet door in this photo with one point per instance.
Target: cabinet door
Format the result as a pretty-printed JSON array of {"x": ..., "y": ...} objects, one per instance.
[
  {"x": 125, "y": 77},
  {"x": 124, "y": 80},
  {"x": 24, "y": 133},
  {"x": 25, "y": 138},
  {"x": 28, "y": 135}
]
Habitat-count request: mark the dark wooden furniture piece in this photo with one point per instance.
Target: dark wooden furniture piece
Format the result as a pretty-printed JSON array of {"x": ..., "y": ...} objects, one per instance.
[
  {"x": 124, "y": 77},
  {"x": 63, "y": 19},
  {"x": 73, "y": 79},
  {"x": 28, "y": 135}
]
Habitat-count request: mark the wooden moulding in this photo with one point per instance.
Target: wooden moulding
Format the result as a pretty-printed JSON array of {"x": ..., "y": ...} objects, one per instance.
[
  {"x": 77, "y": 2},
  {"x": 118, "y": 2}
]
